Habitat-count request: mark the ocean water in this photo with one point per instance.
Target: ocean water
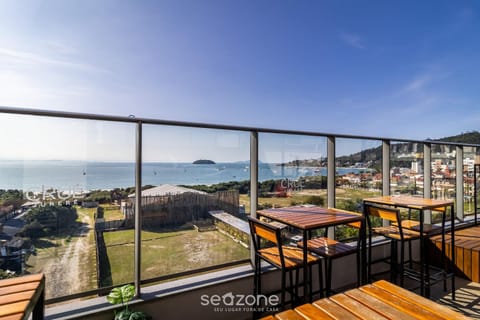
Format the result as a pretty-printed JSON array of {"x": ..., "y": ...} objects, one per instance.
[{"x": 78, "y": 175}]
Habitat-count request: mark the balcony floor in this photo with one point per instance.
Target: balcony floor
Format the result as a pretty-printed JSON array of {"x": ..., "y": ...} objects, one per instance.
[{"x": 467, "y": 297}]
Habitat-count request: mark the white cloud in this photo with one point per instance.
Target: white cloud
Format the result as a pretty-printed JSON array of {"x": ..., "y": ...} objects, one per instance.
[
  {"x": 352, "y": 40},
  {"x": 23, "y": 89},
  {"x": 30, "y": 58},
  {"x": 418, "y": 83},
  {"x": 62, "y": 48}
]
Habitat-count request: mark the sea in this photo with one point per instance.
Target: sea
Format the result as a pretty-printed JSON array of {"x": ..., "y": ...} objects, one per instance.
[{"x": 36, "y": 175}]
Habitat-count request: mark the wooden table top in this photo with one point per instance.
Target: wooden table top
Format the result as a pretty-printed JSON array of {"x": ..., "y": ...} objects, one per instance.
[
  {"x": 310, "y": 217},
  {"x": 18, "y": 296},
  {"x": 380, "y": 300},
  {"x": 410, "y": 202}
]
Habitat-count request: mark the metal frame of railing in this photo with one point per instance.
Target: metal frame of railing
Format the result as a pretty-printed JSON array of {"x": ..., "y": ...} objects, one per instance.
[{"x": 254, "y": 151}]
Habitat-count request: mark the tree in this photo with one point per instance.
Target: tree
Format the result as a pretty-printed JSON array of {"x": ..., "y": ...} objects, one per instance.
[
  {"x": 11, "y": 197},
  {"x": 33, "y": 230},
  {"x": 52, "y": 217}
]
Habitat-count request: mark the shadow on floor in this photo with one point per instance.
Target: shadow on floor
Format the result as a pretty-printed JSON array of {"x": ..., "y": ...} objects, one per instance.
[{"x": 467, "y": 298}]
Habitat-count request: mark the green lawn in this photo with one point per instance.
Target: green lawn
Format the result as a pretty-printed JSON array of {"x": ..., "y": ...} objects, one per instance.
[
  {"x": 112, "y": 212},
  {"x": 165, "y": 253},
  {"x": 343, "y": 196}
]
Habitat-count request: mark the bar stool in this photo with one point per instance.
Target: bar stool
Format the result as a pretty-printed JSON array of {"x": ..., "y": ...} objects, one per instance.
[
  {"x": 285, "y": 258},
  {"x": 331, "y": 249},
  {"x": 429, "y": 230},
  {"x": 394, "y": 232}
]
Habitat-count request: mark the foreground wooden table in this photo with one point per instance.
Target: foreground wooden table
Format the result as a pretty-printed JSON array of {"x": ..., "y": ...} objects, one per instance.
[
  {"x": 380, "y": 300},
  {"x": 22, "y": 296}
]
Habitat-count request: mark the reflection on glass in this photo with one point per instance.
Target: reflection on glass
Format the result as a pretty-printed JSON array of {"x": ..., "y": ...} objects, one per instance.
[
  {"x": 194, "y": 199},
  {"x": 61, "y": 185}
]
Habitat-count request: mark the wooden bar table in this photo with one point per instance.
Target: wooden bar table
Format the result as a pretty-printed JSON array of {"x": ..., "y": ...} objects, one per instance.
[
  {"x": 422, "y": 204},
  {"x": 308, "y": 218},
  {"x": 380, "y": 300},
  {"x": 21, "y": 297}
]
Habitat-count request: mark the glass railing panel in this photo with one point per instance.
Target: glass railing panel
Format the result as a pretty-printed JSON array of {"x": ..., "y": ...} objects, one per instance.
[
  {"x": 62, "y": 182},
  {"x": 469, "y": 154},
  {"x": 476, "y": 181},
  {"x": 406, "y": 168},
  {"x": 358, "y": 171},
  {"x": 195, "y": 195},
  {"x": 443, "y": 174},
  {"x": 443, "y": 171},
  {"x": 292, "y": 170},
  {"x": 358, "y": 175}
]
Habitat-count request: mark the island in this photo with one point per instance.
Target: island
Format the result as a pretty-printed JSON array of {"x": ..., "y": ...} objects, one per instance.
[{"x": 203, "y": 161}]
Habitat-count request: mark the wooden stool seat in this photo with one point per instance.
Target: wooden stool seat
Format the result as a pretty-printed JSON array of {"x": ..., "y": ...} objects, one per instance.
[
  {"x": 22, "y": 296},
  {"x": 327, "y": 247},
  {"x": 293, "y": 256}
]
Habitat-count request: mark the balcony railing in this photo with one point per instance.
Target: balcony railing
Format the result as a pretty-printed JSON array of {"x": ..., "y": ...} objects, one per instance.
[{"x": 69, "y": 184}]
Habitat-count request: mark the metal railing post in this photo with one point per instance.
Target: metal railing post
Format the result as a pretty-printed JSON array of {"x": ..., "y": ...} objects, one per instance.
[
  {"x": 459, "y": 182},
  {"x": 386, "y": 171},
  {"x": 427, "y": 178},
  {"x": 138, "y": 209},
  {"x": 331, "y": 173},
  {"x": 386, "y": 167},
  {"x": 253, "y": 182}
]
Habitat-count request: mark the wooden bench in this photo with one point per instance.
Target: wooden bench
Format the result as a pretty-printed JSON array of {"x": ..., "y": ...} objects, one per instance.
[
  {"x": 22, "y": 296},
  {"x": 380, "y": 300},
  {"x": 467, "y": 251}
]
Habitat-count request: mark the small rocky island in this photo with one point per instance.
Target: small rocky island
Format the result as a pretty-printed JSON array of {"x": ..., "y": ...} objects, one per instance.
[{"x": 203, "y": 161}]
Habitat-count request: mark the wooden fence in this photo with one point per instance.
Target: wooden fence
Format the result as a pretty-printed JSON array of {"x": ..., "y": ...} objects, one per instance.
[
  {"x": 178, "y": 209},
  {"x": 101, "y": 224}
]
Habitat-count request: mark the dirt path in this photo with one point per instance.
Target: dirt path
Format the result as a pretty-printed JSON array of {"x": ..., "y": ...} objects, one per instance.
[{"x": 67, "y": 273}]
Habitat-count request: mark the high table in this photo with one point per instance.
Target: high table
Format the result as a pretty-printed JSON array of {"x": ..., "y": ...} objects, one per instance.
[
  {"x": 422, "y": 204},
  {"x": 308, "y": 218},
  {"x": 22, "y": 296},
  {"x": 380, "y": 300}
]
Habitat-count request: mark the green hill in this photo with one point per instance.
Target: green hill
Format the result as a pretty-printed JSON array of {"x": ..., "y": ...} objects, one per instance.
[
  {"x": 372, "y": 155},
  {"x": 472, "y": 137}
]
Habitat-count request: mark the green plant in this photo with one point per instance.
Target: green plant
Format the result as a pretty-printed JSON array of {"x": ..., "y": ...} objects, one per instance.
[
  {"x": 6, "y": 274},
  {"x": 122, "y": 295}
]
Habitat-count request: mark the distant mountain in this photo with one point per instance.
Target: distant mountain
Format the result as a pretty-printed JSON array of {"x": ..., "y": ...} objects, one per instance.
[
  {"x": 472, "y": 137},
  {"x": 372, "y": 155}
]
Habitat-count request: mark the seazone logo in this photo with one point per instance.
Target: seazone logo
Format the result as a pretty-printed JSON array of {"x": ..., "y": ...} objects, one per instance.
[{"x": 230, "y": 302}]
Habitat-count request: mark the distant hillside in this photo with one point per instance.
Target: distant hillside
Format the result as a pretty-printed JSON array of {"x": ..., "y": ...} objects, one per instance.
[
  {"x": 372, "y": 155},
  {"x": 203, "y": 161},
  {"x": 472, "y": 137}
]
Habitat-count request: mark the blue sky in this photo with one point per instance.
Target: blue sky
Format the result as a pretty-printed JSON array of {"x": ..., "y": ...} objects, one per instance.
[{"x": 396, "y": 69}]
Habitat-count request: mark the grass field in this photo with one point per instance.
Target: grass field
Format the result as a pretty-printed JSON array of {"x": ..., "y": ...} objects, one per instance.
[
  {"x": 112, "y": 212},
  {"x": 302, "y": 197},
  {"x": 165, "y": 253}
]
